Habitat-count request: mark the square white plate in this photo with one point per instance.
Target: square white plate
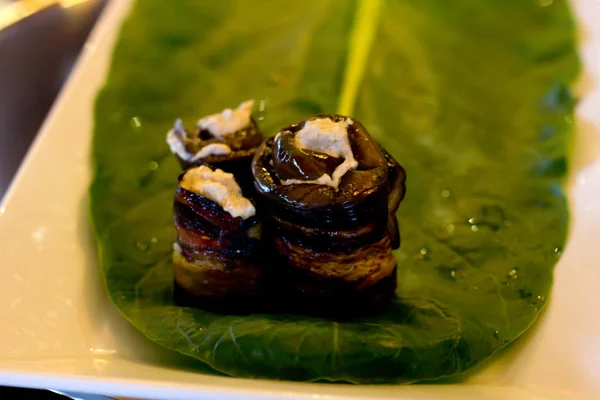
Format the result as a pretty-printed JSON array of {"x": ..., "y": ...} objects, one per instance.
[{"x": 59, "y": 330}]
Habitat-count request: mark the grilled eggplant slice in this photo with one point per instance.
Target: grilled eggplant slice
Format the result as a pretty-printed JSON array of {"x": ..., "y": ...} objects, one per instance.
[
  {"x": 227, "y": 141},
  {"x": 215, "y": 256},
  {"x": 333, "y": 239}
]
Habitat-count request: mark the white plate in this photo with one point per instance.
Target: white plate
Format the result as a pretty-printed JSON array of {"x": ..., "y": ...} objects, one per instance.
[{"x": 58, "y": 329}]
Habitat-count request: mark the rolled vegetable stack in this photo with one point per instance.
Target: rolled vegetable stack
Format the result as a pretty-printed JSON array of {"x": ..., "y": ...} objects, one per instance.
[
  {"x": 227, "y": 141},
  {"x": 332, "y": 193},
  {"x": 218, "y": 233}
]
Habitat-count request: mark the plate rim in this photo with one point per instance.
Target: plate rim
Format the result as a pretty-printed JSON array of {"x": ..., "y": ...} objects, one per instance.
[{"x": 24, "y": 377}]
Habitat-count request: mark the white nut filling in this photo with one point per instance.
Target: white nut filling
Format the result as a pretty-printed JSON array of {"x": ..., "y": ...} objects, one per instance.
[
  {"x": 331, "y": 138},
  {"x": 220, "y": 187},
  {"x": 176, "y": 140},
  {"x": 218, "y": 125},
  {"x": 213, "y": 149},
  {"x": 228, "y": 121}
]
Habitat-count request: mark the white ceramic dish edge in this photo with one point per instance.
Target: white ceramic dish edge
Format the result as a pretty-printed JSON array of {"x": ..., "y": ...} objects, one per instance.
[{"x": 83, "y": 355}]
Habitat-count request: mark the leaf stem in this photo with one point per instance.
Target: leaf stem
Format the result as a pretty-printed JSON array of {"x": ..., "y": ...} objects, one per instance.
[{"x": 361, "y": 41}]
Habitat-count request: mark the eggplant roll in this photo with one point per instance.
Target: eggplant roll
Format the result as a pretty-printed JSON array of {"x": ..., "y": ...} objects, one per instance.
[
  {"x": 332, "y": 193},
  {"x": 227, "y": 141},
  {"x": 218, "y": 233}
]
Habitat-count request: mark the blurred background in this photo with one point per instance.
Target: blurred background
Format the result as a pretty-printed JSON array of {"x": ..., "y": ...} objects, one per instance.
[{"x": 35, "y": 35}]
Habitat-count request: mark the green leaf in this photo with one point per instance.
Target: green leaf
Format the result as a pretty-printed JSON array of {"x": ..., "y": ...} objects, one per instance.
[{"x": 471, "y": 97}]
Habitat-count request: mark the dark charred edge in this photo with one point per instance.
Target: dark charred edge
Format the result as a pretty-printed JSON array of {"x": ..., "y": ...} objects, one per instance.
[
  {"x": 236, "y": 245},
  {"x": 397, "y": 191},
  {"x": 186, "y": 219},
  {"x": 210, "y": 212},
  {"x": 228, "y": 256},
  {"x": 393, "y": 231},
  {"x": 206, "y": 210},
  {"x": 326, "y": 239},
  {"x": 199, "y": 205},
  {"x": 196, "y": 215},
  {"x": 372, "y": 208},
  {"x": 396, "y": 181}
]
